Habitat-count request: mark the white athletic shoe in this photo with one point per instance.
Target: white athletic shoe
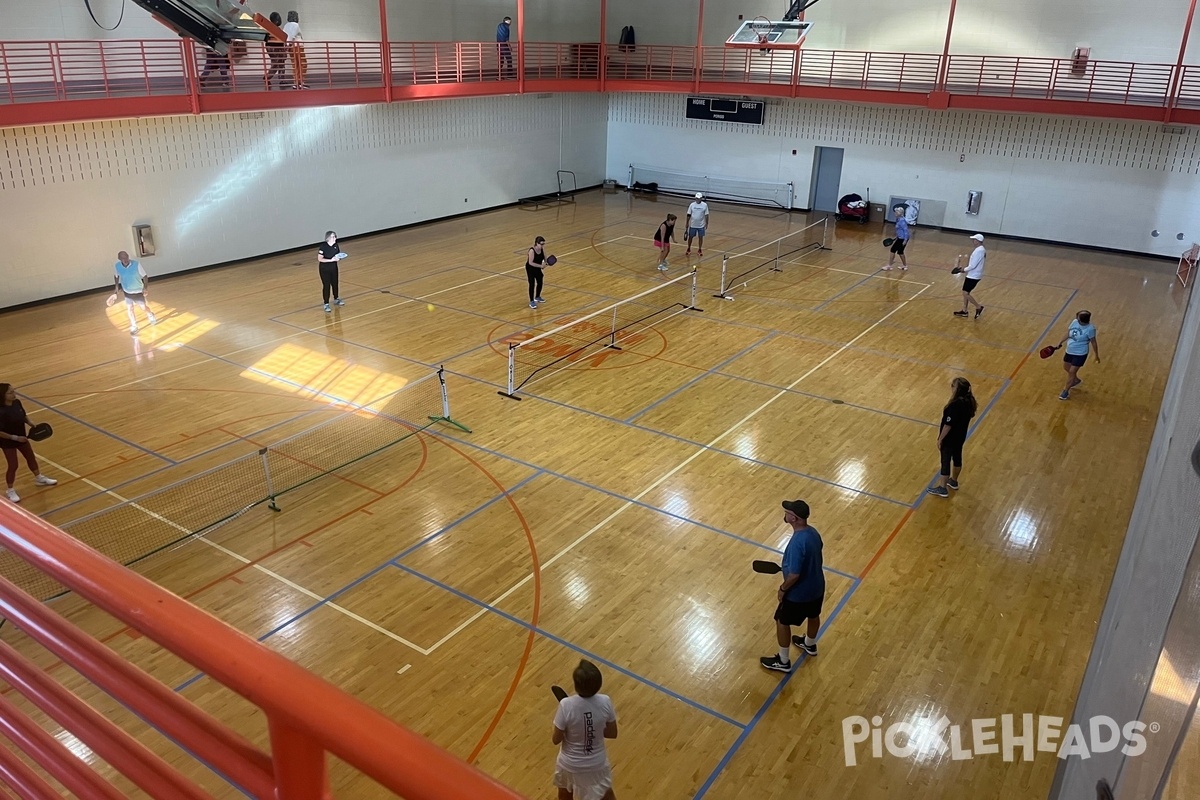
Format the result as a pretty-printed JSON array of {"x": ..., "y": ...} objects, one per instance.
[
  {"x": 662, "y": 267},
  {"x": 133, "y": 331},
  {"x": 12, "y": 495},
  {"x": 886, "y": 268},
  {"x": 339, "y": 302},
  {"x": 42, "y": 480},
  {"x": 153, "y": 320}
]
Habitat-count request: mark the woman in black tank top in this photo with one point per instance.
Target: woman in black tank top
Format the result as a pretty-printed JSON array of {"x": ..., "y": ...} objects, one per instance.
[
  {"x": 662, "y": 240},
  {"x": 534, "y": 260}
]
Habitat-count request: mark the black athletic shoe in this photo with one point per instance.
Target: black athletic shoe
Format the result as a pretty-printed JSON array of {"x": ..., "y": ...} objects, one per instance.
[
  {"x": 951, "y": 483},
  {"x": 810, "y": 649},
  {"x": 775, "y": 663},
  {"x": 978, "y": 312},
  {"x": 960, "y": 313}
]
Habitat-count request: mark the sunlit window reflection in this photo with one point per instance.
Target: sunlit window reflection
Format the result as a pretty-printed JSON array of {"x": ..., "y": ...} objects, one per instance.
[
  {"x": 270, "y": 154},
  {"x": 851, "y": 473},
  {"x": 1020, "y": 531},
  {"x": 77, "y": 748},
  {"x": 174, "y": 328},
  {"x": 744, "y": 444},
  {"x": 1169, "y": 684},
  {"x": 322, "y": 376},
  {"x": 699, "y": 636},
  {"x": 677, "y": 503},
  {"x": 577, "y": 591},
  {"x": 928, "y": 741}
]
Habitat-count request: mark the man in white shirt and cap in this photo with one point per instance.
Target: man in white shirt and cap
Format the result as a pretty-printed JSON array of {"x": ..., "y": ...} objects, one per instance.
[
  {"x": 972, "y": 275},
  {"x": 697, "y": 223}
]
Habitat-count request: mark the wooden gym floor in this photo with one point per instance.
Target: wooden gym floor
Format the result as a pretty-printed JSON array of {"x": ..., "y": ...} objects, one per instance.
[{"x": 612, "y": 513}]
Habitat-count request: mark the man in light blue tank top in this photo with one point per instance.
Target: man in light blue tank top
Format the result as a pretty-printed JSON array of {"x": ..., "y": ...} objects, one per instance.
[
  {"x": 1080, "y": 340},
  {"x": 131, "y": 280}
]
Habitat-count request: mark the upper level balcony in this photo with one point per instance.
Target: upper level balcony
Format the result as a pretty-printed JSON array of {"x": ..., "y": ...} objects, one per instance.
[{"x": 44, "y": 82}]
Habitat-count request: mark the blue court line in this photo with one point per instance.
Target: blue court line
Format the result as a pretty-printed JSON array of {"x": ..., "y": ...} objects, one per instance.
[
  {"x": 81, "y": 369},
  {"x": 846, "y": 291},
  {"x": 724, "y": 762},
  {"x": 569, "y": 645},
  {"x": 827, "y": 399},
  {"x": 681, "y": 439},
  {"x": 978, "y": 420},
  {"x": 623, "y": 498},
  {"x": 373, "y": 572},
  {"x": 771, "y": 698},
  {"x": 98, "y": 429},
  {"x": 181, "y": 462},
  {"x": 700, "y": 377}
]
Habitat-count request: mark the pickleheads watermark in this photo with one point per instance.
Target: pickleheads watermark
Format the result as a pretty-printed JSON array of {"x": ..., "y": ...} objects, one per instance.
[{"x": 1009, "y": 736}]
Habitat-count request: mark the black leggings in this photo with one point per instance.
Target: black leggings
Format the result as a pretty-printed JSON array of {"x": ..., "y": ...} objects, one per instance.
[
  {"x": 329, "y": 280},
  {"x": 951, "y": 451},
  {"x": 534, "y": 274}
]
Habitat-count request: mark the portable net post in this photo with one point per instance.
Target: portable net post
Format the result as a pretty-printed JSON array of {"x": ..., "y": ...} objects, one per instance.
[
  {"x": 445, "y": 416},
  {"x": 615, "y": 327},
  {"x": 739, "y": 269}
]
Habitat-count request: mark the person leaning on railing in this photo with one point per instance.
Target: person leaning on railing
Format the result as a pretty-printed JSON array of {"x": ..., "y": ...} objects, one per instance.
[
  {"x": 276, "y": 53},
  {"x": 295, "y": 45},
  {"x": 13, "y": 424}
]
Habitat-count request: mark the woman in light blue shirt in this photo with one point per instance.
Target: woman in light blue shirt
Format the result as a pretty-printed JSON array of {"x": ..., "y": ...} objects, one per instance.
[{"x": 1080, "y": 340}]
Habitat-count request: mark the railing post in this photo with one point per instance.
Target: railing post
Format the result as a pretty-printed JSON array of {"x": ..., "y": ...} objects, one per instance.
[
  {"x": 299, "y": 762},
  {"x": 189, "y": 72},
  {"x": 385, "y": 52},
  {"x": 602, "y": 66}
]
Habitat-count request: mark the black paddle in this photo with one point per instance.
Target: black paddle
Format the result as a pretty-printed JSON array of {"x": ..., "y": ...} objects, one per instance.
[
  {"x": 766, "y": 567},
  {"x": 559, "y": 693}
]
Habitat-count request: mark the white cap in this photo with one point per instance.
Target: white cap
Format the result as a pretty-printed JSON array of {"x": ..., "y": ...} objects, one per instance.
[
  {"x": 978, "y": 237},
  {"x": 699, "y": 195}
]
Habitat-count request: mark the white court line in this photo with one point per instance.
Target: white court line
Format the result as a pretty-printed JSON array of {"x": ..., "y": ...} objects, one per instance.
[
  {"x": 488, "y": 277},
  {"x": 246, "y": 561},
  {"x": 630, "y": 503},
  {"x": 287, "y": 336},
  {"x": 404, "y": 669}
]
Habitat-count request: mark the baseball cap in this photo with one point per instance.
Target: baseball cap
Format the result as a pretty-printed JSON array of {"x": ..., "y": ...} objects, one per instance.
[
  {"x": 699, "y": 195},
  {"x": 978, "y": 237},
  {"x": 797, "y": 507}
]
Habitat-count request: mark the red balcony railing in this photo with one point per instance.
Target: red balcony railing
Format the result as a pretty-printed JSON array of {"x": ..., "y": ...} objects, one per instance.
[
  {"x": 1119, "y": 82},
  {"x": 301, "y": 715},
  {"x": 49, "y": 72}
]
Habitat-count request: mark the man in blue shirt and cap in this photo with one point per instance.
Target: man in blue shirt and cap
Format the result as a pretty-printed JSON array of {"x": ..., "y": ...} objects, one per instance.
[
  {"x": 803, "y": 589},
  {"x": 503, "y": 31}
]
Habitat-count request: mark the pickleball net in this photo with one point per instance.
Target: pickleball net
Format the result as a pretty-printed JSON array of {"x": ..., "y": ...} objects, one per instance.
[
  {"x": 740, "y": 269},
  {"x": 621, "y": 325},
  {"x": 197, "y": 505}
]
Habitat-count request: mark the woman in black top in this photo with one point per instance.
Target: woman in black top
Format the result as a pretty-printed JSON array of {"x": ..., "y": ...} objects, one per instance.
[
  {"x": 276, "y": 51},
  {"x": 327, "y": 265},
  {"x": 952, "y": 433},
  {"x": 662, "y": 240},
  {"x": 13, "y": 424},
  {"x": 535, "y": 259}
]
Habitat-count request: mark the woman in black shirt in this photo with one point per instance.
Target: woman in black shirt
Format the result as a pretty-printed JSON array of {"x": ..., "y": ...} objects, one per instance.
[
  {"x": 662, "y": 240},
  {"x": 327, "y": 265},
  {"x": 13, "y": 424},
  {"x": 535, "y": 260},
  {"x": 952, "y": 433}
]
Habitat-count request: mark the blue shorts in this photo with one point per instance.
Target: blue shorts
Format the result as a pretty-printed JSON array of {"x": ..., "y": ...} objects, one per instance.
[
  {"x": 694, "y": 232},
  {"x": 1075, "y": 361}
]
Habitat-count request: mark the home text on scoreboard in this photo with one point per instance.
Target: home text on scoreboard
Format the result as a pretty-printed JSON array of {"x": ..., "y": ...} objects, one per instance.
[{"x": 726, "y": 109}]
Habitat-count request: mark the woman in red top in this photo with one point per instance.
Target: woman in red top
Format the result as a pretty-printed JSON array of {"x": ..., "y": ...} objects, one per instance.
[{"x": 13, "y": 424}]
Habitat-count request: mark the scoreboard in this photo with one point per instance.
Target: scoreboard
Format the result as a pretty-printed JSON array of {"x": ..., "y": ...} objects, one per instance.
[{"x": 726, "y": 109}]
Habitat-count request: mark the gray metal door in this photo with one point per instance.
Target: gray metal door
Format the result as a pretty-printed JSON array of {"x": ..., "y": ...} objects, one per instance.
[{"x": 827, "y": 179}]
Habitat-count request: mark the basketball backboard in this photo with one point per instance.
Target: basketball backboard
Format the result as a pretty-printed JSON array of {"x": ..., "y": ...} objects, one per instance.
[
  {"x": 761, "y": 32},
  {"x": 213, "y": 23}
]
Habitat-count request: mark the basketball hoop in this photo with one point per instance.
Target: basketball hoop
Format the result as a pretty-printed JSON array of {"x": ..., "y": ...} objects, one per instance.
[{"x": 761, "y": 26}]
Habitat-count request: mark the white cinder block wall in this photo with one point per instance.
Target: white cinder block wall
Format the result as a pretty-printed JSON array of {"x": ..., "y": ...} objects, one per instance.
[
  {"x": 225, "y": 187},
  {"x": 1105, "y": 183}
]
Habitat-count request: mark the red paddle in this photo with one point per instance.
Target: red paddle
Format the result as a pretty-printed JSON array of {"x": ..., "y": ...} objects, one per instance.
[{"x": 1047, "y": 351}]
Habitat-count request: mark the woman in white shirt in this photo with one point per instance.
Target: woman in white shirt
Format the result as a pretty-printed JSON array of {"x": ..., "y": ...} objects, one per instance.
[
  {"x": 295, "y": 45},
  {"x": 581, "y": 724}
]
